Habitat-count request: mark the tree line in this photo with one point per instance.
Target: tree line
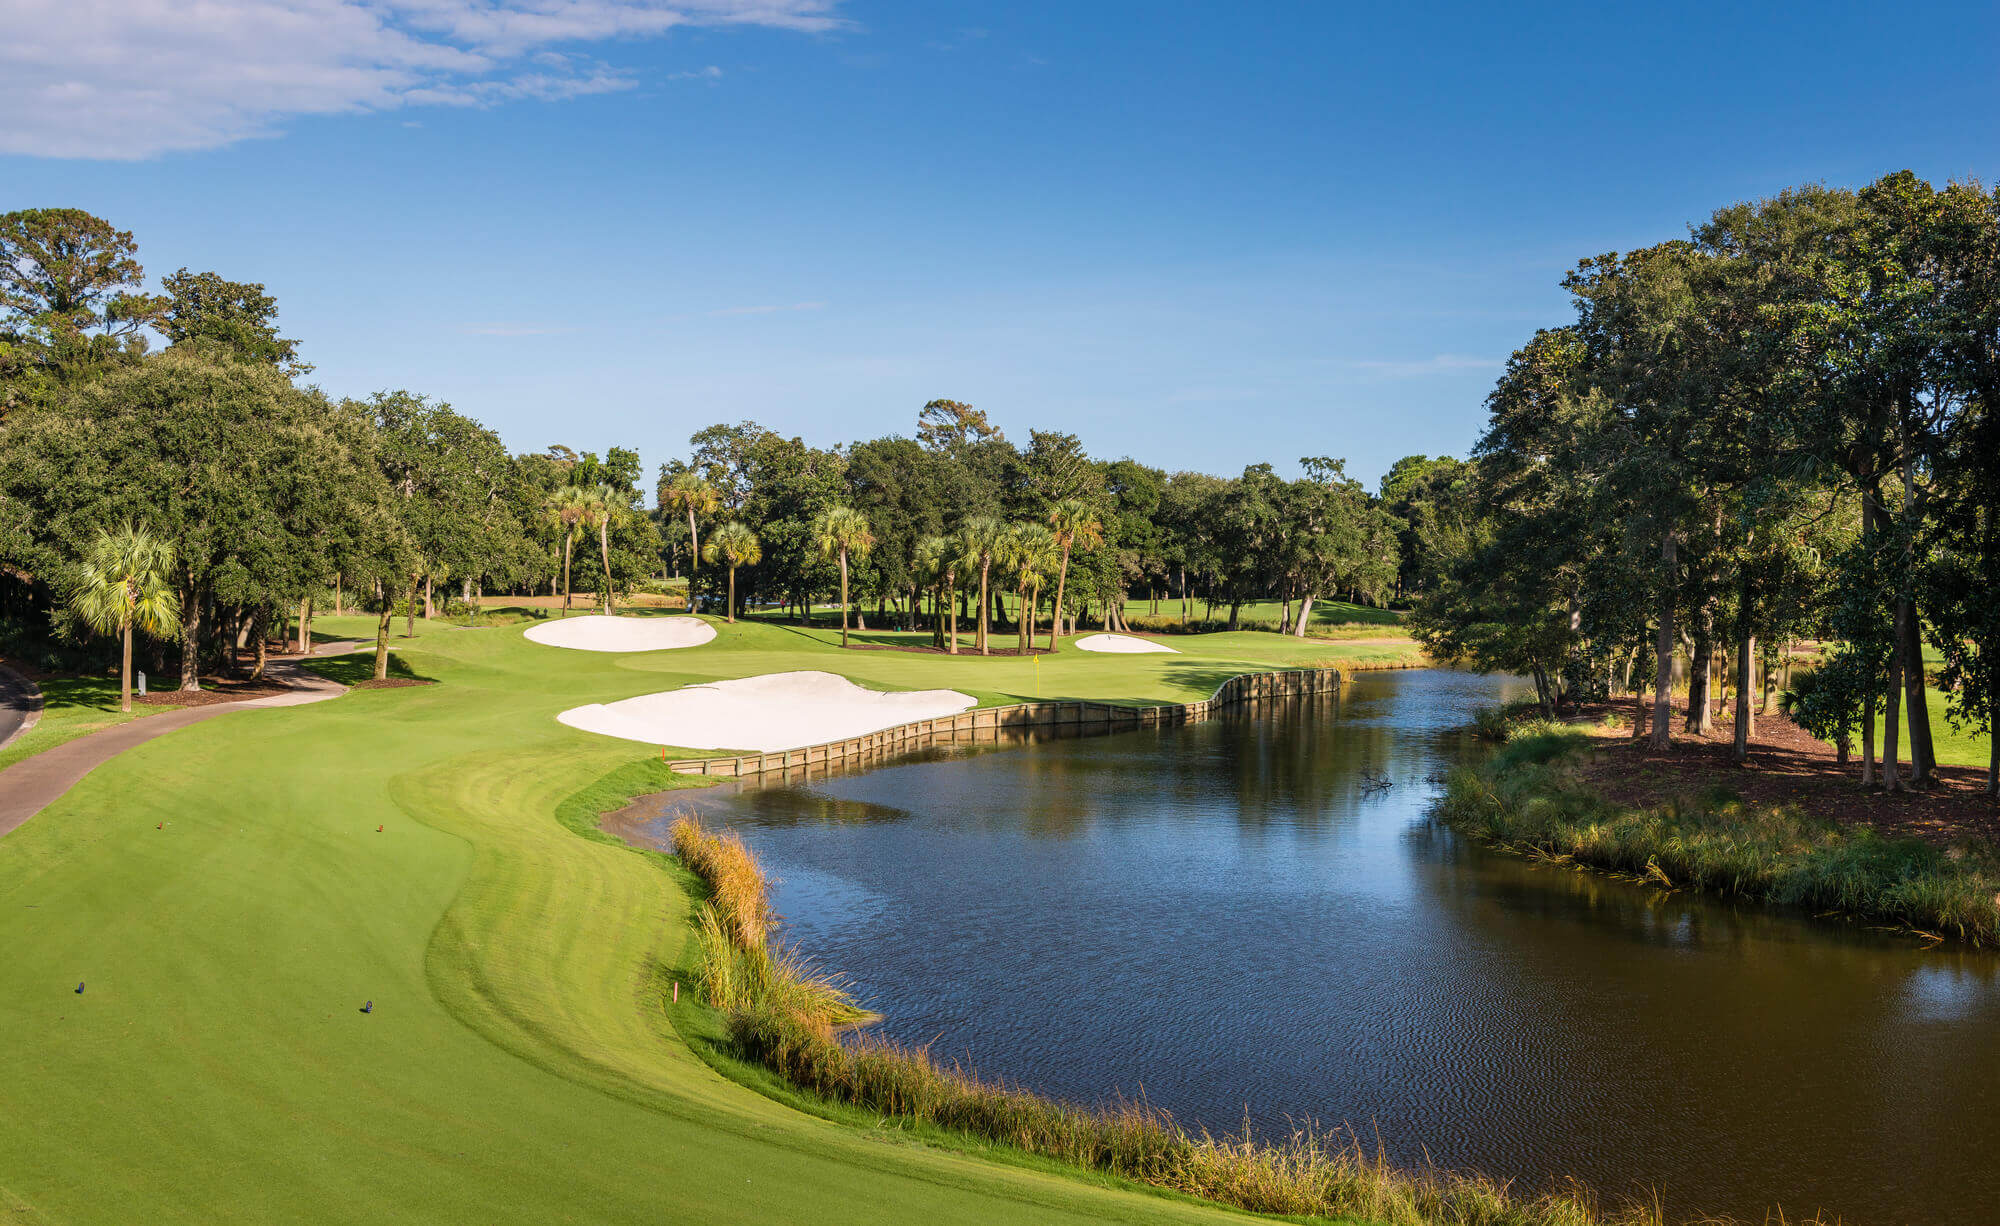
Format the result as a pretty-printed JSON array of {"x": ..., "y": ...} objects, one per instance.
[
  {"x": 1779, "y": 429},
  {"x": 167, "y": 469},
  {"x": 960, "y": 524}
]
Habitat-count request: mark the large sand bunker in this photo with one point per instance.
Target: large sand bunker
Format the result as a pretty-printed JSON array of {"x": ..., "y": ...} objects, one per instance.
[
  {"x": 775, "y": 711},
  {"x": 1121, "y": 644},
  {"x": 599, "y": 633}
]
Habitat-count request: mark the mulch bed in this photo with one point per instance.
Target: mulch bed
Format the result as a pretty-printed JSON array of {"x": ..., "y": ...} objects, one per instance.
[
  {"x": 214, "y": 690},
  {"x": 1787, "y": 766}
]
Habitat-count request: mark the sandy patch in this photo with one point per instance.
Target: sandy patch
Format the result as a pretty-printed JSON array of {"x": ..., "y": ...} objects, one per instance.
[
  {"x": 599, "y": 633},
  {"x": 775, "y": 711},
  {"x": 1121, "y": 644}
]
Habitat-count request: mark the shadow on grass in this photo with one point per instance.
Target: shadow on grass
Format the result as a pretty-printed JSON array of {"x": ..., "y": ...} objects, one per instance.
[{"x": 359, "y": 666}]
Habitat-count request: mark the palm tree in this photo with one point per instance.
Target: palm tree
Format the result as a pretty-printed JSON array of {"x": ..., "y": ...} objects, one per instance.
[
  {"x": 934, "y": 563},
  {"x": 568, "y": 506},
  {"x": 605, "y": 511},
  {"x": 841, "y": 532},
  {"x": 1075, "y": 526},
  {"x": 733, "y": 545},
  {"x": 982, "y": 537},
  {"x": 1031, "y": 554},
  {"x": 691, "y": 494},
  {"x": 124, "y": 584}
]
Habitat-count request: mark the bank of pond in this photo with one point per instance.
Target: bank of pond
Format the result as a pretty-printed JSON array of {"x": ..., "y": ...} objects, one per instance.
[{"x": 1266, "y": 973}]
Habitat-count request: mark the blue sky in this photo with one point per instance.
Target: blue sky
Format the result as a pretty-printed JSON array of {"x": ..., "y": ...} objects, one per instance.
[{"x": 1201, "y": 235}]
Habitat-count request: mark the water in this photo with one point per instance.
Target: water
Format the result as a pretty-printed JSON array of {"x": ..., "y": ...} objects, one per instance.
[{"x": 1239, "y": 921}]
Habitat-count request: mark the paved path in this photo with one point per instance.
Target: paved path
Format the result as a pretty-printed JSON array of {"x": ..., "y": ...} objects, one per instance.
[
  {"x": 20, "y": 705},
  {"x": 32, "y": 784}
]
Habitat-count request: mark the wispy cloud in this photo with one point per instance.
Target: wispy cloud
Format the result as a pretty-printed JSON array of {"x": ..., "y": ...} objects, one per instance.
[
  {"x": 1437, "y": 364},
  {"x": 768, "y": 310},
  {"x": 710, "y": 73},
  {"x": 136, "y": 78}
]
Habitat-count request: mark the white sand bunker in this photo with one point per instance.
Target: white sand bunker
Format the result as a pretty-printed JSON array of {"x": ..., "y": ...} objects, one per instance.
[
  {"x": 599, "y": 633},
  {"x": 1121, "y": 644},
  {"x": 775, "y": 711}
]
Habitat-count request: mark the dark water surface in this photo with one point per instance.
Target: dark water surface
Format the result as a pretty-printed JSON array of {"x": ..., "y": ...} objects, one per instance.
[{"x": 1236, "y": 920}]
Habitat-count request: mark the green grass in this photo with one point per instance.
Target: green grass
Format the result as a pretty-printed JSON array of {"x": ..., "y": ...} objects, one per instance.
[
  {"x": 1954, "y": 747},
  {"x": 518, "y": 1065},
  {"x": 1530, "y": 797},
  {"x": 73, "y": 707}
]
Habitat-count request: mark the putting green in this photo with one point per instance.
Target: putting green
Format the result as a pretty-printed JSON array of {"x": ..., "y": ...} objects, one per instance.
[{"x": 227, "y": 900}]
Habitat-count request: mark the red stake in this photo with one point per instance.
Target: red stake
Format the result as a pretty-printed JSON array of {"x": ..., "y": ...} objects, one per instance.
[{"x": 378, "y": 830}]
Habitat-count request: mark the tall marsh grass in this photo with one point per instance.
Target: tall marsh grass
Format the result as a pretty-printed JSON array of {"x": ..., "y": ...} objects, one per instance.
[
  {"x": 1531, "y": 797},
  {"x": 789, "y": 1019}
]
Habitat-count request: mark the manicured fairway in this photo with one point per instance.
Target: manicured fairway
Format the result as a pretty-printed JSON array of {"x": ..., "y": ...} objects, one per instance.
[{"x": 518, "y": 1065}]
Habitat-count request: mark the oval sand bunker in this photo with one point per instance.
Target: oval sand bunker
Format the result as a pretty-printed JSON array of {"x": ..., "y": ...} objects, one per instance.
[
  {"x": 1121, "y": 644},
  {"x": 775, "y": 711},
  {"x": 597, "y": 632}
]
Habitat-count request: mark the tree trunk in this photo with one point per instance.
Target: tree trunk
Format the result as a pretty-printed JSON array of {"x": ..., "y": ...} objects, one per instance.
[
  {"x": 1026, "y": 619},
  {"x": 1868, "y": 735},
  {"x": 732, "y": 595},
  {"x": 1235, "y": 611},
  {"x": 1746, "y": 652},
  {"x": 1993, "y": 747},
  {"x": 1923, "y": 756},
  {"x": 1063, "y": 579},
  {"x": 604, "y": 549},
  {"x": 1892, "y": 710},
  {"x": 382, "y": 635},
  {"x": 1701, "y": 675},
  {"x": 951, "y": 612},
  {"x": 843, "y": 598},
  {"x": 410, "y": 610},
  {"x": 190, "y": 638},
  {"x": 569, "y": 539},
  {"x": 430, "y": 610},
  {"x": 260, "y": 632},
  {"x": 305, "y": 628},
  {"x": 694, "y": 559},
  {"x": 1663, "y": 664},
  {"x": 1305, "y": 615},
  {"x": 125, "y": 670},
  {"x": 984, "y": 569}
]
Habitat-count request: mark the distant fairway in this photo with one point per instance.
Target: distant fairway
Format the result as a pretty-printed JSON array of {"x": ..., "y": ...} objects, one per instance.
[{"x": 518, "y": 1065}]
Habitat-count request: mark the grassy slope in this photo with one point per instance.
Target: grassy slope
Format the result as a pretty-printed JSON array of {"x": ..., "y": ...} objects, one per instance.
[
  {"x": 515, "y": 1068},
  {"x": 73, "y": 707}
]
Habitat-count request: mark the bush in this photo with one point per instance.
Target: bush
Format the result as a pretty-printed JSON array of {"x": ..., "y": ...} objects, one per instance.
[{"x": 1531, "y": 797}]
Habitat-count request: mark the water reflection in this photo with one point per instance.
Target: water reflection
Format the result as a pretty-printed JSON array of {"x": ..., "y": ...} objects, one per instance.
[{"x": 1254, "y": 916}]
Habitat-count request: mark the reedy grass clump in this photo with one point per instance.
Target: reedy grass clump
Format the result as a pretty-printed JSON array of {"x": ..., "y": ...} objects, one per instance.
[
  {"x": 789, "y": 1019},
  {"x": 1531, "y": 797},
  {"x": 737, "y": 966}
]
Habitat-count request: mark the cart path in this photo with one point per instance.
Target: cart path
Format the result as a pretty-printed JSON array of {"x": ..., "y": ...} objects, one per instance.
[{"x": 32, "y": 784}]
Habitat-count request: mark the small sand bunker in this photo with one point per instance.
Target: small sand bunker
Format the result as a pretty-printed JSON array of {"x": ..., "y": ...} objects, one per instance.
[
  {"x": 1121, "y": 644},
  {"x": 600, "y": 633},
  {"x": 775, "y": 711}
]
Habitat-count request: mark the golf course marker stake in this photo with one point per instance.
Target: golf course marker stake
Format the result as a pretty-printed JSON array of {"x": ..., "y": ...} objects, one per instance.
[
  {"x": 378, "y": 830},
  {"x": 369, "y": 1007},
  {"x": 79, "y": 989}
]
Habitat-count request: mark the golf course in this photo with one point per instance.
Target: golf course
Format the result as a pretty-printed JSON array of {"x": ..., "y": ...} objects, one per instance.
[{"x": 370, "y": 960}]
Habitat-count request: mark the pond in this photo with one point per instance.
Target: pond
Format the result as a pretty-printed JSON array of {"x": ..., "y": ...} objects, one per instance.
[{"x": 1255, "y": 919}]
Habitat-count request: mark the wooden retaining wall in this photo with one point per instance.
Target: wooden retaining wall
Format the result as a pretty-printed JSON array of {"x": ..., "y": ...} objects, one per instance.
[{"x": 987, "y": 723}]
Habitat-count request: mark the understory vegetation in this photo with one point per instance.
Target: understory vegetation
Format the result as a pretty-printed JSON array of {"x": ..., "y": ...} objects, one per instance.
[
  {"x": 790, "y": 1018},
  {"x": 1531, "y": 797}
]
